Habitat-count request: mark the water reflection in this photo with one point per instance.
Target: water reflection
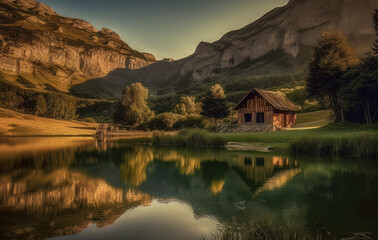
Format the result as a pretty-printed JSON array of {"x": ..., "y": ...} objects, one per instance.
[{"x": 72, "y": 186}]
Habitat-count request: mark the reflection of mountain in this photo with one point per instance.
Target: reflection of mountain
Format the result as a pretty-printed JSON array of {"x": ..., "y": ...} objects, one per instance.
[
  {"x": 61, "y": 201},
  {"x": 62, "y": 191}
]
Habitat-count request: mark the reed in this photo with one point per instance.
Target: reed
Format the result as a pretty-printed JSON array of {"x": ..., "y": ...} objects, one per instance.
[
  {"x": 189, "y": 138},
  {"x": 260, "y": 230},
  {"x": 360, "y": 146}
]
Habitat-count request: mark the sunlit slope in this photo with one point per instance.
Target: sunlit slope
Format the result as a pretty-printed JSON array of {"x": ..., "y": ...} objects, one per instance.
[
  {"x": 313, "y": 119},
  {"x": 18, "y": 124}
]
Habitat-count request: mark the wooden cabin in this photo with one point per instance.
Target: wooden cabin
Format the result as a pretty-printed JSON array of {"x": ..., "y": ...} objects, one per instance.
[{"x": 266, "y": 111}]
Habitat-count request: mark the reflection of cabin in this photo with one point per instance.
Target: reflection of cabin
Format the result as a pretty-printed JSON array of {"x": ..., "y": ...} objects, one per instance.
[{"x": 262, "y": 110}]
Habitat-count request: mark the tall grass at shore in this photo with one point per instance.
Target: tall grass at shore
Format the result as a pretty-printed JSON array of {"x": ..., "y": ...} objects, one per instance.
[
  {"x": 362, "y": 146},
  {"x": 261, "y": 230},
  {"x": 189, "y": 138}
]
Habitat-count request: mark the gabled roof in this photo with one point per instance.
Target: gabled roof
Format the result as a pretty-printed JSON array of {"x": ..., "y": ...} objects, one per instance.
[{"x": 277, "y": 99}]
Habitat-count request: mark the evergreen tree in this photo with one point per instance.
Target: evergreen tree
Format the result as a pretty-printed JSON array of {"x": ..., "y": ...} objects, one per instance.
[
  {"x": 214, "y": 105},
  {"x": 331, "y": 59}
]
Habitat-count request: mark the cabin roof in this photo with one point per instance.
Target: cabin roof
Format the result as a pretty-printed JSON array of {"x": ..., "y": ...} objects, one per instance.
[{"x": 277, "y": 99}]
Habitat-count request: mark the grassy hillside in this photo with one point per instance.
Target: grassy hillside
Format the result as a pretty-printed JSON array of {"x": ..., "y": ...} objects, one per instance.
[{"x": 18, "y": 124}]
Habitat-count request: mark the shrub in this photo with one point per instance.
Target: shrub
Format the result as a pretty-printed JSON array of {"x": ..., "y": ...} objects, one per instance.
[
  {"x": 190, "y": 122},
  {"x": 164, "y": 121},
  {"x": 89, "y": 120}
]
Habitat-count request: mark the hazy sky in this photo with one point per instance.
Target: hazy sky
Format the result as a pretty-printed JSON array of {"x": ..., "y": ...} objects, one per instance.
[{"x": 166, "y": 28}]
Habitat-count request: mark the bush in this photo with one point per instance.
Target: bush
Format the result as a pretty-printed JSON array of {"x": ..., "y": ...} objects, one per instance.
[
  {"x": 189, "y": 138},
  {"x": 190, "y": 122},
  {"x": 89, "y": 120},
  {"x": 164, "y": 121},
  {"x": 363, "y": 146}
]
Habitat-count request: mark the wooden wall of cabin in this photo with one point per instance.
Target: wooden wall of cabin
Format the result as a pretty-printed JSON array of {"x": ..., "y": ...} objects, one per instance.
[
  {"x": 284, "y": 120},
  {"x": 255, "y": 104}
]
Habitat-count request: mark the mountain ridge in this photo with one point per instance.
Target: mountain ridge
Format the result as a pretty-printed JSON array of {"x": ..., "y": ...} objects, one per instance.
[
  {"x": 50, "y": 49},
  {"x": 286, "y": 33}
]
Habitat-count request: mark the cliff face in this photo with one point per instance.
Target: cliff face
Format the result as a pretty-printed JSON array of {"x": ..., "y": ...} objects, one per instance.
[
  {"x": 277, "y": 44},
  {"x": 38, "y": 43},
  {"x": 300, "y": 23}
]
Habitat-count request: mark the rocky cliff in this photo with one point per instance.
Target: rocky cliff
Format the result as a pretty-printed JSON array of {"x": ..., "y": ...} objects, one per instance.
[
  {"x": 298, "y": 24},
  {"x": 43, "y": 46},
  {"x": 280, "y": 42}
]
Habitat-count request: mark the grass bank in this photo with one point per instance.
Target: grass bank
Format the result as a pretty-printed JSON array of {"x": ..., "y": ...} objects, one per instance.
[
  {"x": 190, "y": 138},
  {"x": 13, "y": 124},
  {"x": 333, "y": 139}
]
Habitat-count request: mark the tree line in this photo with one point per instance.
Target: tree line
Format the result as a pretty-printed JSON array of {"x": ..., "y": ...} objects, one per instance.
[
  {"x": 44, "y": 104},
  {"x": 133, "y": 110},
  {"x": 348, "y": 83}
]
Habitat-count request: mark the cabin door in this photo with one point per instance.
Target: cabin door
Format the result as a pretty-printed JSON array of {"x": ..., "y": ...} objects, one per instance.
[{"x": 285, "y": 121}]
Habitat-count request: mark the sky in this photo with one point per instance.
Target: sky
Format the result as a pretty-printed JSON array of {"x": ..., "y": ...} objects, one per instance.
[{"x": 166, "y": 28}]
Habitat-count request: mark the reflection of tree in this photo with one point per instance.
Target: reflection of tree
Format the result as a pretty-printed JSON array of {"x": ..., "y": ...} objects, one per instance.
[
  {"x": 213, "y": 173},
  {"x": 348, "y": 197},
  {"x": 187, "y": 164},
  {"x": 133, "y": 169}
]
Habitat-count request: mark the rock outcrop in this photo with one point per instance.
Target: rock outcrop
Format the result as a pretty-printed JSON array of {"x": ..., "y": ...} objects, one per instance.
[
  {"x": 277, "y": 44},
  {"x": 38, "y": 43},
  {"x": 289, "y": 28}
]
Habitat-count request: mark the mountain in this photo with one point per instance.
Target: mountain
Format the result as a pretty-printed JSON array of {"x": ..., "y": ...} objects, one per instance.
[
  {"x": 278, "y": 45},
  {"x": 54, "y": 52}
]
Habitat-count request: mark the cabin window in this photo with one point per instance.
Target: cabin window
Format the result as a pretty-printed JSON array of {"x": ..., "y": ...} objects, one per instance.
[
  {"x": 247, "y": 118},
  {"x": 259, "y": 161},
  {"x": 259, "y": 117},
  {"x": 247, "y": 161}
]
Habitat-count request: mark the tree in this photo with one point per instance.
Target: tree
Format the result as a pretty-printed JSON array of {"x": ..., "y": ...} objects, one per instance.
[
  {"x": 188, "y": 106},
  {"x": 330, "y": 60},
  {"x": 376, "y": 31},
  {"x": 362, "y": 90},
  {"x": 40, "y": 105},
  {"x": 214, "y": 105},
  {"x": 133, "y": 109}
]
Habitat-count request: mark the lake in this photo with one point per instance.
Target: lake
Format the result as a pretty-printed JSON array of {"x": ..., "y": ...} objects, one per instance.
[{"x": 77, "y": 188}]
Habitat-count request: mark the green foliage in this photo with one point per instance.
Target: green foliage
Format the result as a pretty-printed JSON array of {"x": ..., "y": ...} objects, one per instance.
[
  {"x": 193, "y": 121},
  {"x": 331, "y": 59},
  {"x": 188, "y": 106},
  {"x": 362, "y": 146},
  {"x": 56, "y": 105},
  {"x": 214, "y": 104},
  {"x": 360, "y": 93},
  {"x": 40, "y": 105},
  {"x": 163, "y": 121},
  {"x": 101, "y": 111},
  {"x": 133, "y": 109},
  {"x": 189, "y": 138}
]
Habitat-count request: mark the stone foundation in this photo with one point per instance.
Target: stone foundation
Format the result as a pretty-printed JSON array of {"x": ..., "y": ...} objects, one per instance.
[{"x": 263, "y": 127}]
